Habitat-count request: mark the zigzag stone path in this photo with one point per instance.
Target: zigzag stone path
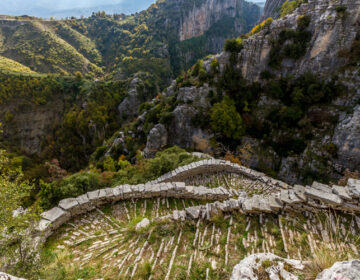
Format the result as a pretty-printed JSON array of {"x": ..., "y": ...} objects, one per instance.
[{"x": 214, "y": 228}]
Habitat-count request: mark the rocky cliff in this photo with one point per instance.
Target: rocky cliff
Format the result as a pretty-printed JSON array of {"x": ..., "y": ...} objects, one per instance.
[
  {"x": 331, "y": 33},
  {"x": 199, "y": 19},
  {"x": 272, "y": 9}
]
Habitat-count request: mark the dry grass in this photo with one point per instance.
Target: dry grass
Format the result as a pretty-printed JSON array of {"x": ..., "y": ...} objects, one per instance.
[{"x": 323, "y": 258}]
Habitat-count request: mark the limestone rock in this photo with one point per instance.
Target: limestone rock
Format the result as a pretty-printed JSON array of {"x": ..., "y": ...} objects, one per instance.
[
  {"x": 342, "y": 192},
  {"x": 248, "y": 267},
  {"x": 353, "y": 187},
  {"x": 4, "y": 276},
  {"x": 272, "y": 9},
  {"x": 349, "y": 270},
  {"x": 328, "y": 198},
  {"x": 156, "y": 140},
  {"x": 347, "y": 139},
  {"x": 128, "y": 108},
  {"x": 142, "y": 224}
]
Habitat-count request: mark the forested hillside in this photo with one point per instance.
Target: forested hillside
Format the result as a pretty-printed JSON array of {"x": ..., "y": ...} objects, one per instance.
[{"x": 117, "y": 46}]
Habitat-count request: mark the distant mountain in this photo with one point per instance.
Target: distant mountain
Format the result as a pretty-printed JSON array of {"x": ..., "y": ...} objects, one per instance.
[
  {"x": 62, "y": 9},
  {"x": 127, "y": 7}
]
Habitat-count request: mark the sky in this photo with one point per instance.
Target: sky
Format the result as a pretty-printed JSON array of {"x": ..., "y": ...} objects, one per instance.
[{"x": 64, "y": 8}]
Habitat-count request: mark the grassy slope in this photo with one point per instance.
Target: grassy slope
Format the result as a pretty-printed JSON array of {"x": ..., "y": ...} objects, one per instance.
[
  {"x": 37, "y": 45},
  {"x": 9, "y": 65}
]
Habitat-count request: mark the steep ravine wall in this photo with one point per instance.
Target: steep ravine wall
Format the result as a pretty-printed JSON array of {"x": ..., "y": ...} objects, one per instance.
[{"x": 331, "y": 33}]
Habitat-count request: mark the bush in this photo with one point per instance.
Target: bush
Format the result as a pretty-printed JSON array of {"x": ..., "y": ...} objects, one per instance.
[
  {"x": 341, "y": 9},
  {"x": 234, "y": 45},
  {"x": 289, "y": 6},
  {"x": 224, "y": 119},
  {"x": 149, "y": 169},
  {"x": 71, "y": 186},
  {"x": 303, "y": 22},
  {"x": 265, "y": 24},
  {"x": 214, "y": 66}
]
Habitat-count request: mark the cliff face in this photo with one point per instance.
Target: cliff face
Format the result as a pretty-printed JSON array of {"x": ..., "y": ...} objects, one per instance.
[
  {"x": 200, "y": 19},
  {"x": 30, "y": 124},
  {"x": 331, "y": 33},
  {"x": 272, "y": 9},
  {"x": 196, "y": 28}
]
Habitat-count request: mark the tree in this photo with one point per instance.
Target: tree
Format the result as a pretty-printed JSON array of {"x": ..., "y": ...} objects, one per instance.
[
  {"x": 224, "y": 119},
  {"x": 16, "y": 245}
]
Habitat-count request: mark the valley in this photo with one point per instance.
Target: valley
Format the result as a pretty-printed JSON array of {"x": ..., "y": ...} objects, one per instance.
[{"x": 196, "y": 139}]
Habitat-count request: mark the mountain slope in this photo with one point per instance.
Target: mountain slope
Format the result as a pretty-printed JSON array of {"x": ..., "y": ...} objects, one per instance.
[
  {"x": 35, "y": 44},
  {"x": 286, "y": 97},
  {"x": 164, "y": 39}
]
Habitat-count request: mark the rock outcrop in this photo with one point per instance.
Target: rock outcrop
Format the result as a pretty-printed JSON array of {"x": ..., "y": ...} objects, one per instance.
[
  {"x": 347, "y": 139},
  {"x": 156, "y": 140},
  {"x": 30, "y": 123},
  {"x": 331, "y": 33},
  {"x": 200, "y": 18},
  {"x": 4, "y": 276},
  {"x": 266, "y": 266},
  {"x": 136, "y": 95},
  {"x": 272, "y": 9},
  {"x": 349, "y": 270}
]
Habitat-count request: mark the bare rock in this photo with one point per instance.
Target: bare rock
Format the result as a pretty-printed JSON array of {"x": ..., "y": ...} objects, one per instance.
[
  {"x": 349, "y": 270},
  {"x": 156, "y": 140},
  {"x": 143, "y": 224},
  {"x": 4, "y": 276},
  {"x": 347, "y": 139},
  {"x": 272, "y": 264}
]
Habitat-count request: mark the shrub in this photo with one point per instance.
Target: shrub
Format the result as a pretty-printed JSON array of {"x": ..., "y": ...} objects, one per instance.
[
  {"x": 71, "y": 186},
  {"x": 264, "y": 24},
  {"x": 266, "y": 75},
  {"x": 340, "y": 9},
  {"x": 303, "y": 22},
  {"x": 289, "y": 6},
  {"x": 99, "y": 152},
  {"x": 149, "y": 169},
  {"x": 214, "y": 66},
  {"x": 234, "y": 45},
  {"x": 202, "y": 75},
  {"x": 224, "y": 119},
  {"x": 109, "y": 164}
]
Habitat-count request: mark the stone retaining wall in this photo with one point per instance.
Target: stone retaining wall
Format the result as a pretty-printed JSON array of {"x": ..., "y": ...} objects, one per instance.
[
  {"x": 70, "y": 207},
  {"x": 298, "y": 199},
  {"x": 213, "y": 166}
]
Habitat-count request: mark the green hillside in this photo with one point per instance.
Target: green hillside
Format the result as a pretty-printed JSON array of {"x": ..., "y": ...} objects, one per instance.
[
  {"x": 118, "y": 46},
  {"x": 10, "y": 65}
]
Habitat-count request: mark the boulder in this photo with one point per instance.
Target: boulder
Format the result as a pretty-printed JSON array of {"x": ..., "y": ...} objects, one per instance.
[
  {"x": 349, "y": 270},
  {"x": 156, "y": 140},
  {"x": 143, "y": 224},
  {"x": 272, "y": 265}
]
